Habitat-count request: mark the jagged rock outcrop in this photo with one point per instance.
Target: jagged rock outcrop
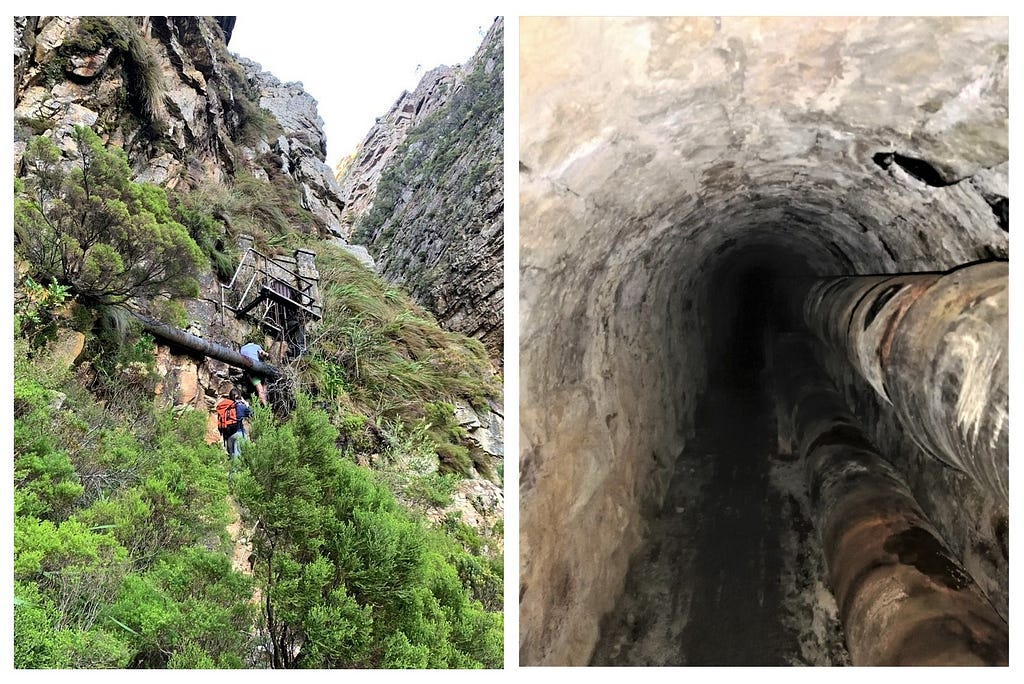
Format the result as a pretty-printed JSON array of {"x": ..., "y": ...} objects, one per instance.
[
  {"x": 486, "y": 430},
  {"x": 166, "y": 90},
  {"x": 425, "y": 193},
  {"x": 360, "y": 173},
  {"x": 188, "y": 114},
  {"x": 166, "y": 98},
  {"x": 302, "y": 149}
]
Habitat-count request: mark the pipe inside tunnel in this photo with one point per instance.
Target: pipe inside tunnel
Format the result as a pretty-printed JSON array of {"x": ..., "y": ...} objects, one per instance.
[{"x": 680, "y": 180}]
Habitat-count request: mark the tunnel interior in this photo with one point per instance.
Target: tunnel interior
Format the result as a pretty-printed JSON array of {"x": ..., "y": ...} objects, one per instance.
[
  {"x": 749, "y": 287},
  {"x": 680, "y": 180}
]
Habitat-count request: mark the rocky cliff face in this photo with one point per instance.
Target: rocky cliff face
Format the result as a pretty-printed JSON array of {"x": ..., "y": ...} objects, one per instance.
[
  {"x": 360, "y": 173},
  {"x": 185, "y": 110},
  {"x": 424, "y": 192},
  {"x": 190, "y": 116},
  {"x": 302, "y": 149}
]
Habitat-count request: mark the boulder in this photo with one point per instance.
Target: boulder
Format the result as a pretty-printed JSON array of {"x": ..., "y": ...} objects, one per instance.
[
  {"x": 66, "y": 349},
  {"x": 87, "y": 66},
  {"x": 487, "y": 431}
]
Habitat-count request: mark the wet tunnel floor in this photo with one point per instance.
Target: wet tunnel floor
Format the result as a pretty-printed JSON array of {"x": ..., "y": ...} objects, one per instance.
[{"x": 729, "y": 573}]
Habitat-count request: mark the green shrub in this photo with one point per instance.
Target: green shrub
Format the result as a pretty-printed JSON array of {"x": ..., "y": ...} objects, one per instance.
[
  {"x": 29, "y": 396},
  {"x": 119, "y": 558},
  {"x": 434, "y": 488},
  {"x": 95, "y": 231},
  {"x": 462, "y": 532},
  {"x": 35, "y": 310},
  {"x": 208, "y": 232},
  {"x": 345, "y": 569},
  {"x": 189, "y": 610},
  {"x": 37, "y": 644},
  {"x": 46, "y": 484},
  {"x": 123, "y": 360},
  {"x": 170, "y": 311}
]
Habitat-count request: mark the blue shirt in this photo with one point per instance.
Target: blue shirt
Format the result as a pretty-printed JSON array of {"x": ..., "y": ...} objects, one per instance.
[
  {"x": 242, "y": 411},
  {"x": 251, "y": 351}
]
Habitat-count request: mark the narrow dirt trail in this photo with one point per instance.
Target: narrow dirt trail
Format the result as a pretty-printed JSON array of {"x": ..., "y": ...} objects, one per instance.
[{"x": 241, "y": 539}]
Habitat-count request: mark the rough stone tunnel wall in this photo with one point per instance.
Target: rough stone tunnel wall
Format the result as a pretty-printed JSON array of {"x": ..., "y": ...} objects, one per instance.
[{"x": 659, "y": 155}]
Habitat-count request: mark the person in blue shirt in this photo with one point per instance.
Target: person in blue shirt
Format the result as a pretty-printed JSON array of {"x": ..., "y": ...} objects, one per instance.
[{"x": 254, "y": 352}]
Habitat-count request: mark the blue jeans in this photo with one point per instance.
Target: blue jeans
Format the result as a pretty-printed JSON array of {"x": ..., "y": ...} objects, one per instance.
[{"x": 235, "y": 444}]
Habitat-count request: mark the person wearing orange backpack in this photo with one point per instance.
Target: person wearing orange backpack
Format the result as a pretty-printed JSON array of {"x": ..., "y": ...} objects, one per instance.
[{"x": 231, "y": 411}]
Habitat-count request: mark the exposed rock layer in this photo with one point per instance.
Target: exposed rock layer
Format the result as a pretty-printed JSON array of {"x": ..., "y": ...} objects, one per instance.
[
  {"x": 360, "y": 174},
  {"x": 201, "y": 128},
  {"x": 302, "y": 149}
]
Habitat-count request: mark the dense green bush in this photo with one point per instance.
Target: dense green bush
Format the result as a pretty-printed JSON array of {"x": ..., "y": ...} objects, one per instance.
[
  {"x": 193, "y": 211},
  {"x": 95, "y": 231},
  {"x": 345, "y": 570},
  {"x": 35, "y": 309},
  {"x": 118, "y": 553}
]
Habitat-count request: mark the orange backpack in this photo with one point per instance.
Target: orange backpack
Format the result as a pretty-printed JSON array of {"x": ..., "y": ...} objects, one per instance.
[{"x": 227, "y": 417}]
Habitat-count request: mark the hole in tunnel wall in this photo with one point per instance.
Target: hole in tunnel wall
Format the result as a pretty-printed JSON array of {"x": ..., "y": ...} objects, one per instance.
[{"x": 917, "y": 168}]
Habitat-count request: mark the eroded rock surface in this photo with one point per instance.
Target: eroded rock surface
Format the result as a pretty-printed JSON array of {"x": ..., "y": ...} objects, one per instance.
[{"x": 302, "y": 150}]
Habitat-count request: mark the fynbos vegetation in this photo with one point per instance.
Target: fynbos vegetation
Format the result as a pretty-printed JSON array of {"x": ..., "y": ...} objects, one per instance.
[{"x": 137, "y": 544}]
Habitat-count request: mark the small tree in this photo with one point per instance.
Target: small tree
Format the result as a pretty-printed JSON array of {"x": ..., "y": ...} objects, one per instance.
[
  {"x": 348, "y": 578},
  {"x": 92, "y": 229}
]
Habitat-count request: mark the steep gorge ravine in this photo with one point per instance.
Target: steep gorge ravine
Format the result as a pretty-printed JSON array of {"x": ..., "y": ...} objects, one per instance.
[
  {"x": 199, "y": 122},
  {"x": 424, "y": 192},
  {"x": 692, "y": 489}
]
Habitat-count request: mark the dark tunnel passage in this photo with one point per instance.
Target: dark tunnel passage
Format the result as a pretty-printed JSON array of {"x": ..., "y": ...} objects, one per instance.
[
  {"x": 720, "y": 554},
  {"x": 763, "y": 376},
  {"x": 750, "y": 286},
  {"x": 731, "y": 571}
]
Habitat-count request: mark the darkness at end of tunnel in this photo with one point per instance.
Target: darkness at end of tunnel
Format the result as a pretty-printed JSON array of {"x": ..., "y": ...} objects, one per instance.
[{"x": 748, "y": 293}]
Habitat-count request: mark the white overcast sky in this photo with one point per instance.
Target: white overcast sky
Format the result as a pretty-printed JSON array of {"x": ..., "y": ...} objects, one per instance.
[{"x": 356, "y": 65}]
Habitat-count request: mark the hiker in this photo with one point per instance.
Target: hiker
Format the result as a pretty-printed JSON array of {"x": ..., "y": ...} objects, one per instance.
[
  {"x": 230, "y": 413},
  {"x": 254, "y": 352}
]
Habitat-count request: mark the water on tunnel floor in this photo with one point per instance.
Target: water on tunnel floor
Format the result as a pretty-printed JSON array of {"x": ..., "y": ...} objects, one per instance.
[{"x": 730, "y": 572}]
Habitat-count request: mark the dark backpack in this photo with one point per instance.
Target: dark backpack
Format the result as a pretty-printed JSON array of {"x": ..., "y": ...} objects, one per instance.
[{"x": 227, "y": 416}]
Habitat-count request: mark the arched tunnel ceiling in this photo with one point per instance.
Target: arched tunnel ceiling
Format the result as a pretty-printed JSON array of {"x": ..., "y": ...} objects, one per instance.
[{"x": 653, "y": 150}]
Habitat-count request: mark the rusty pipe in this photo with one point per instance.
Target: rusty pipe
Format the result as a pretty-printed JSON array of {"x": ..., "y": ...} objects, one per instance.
[
  {"x": 903, "y": 597},
  {"x": 934, "y": 346},
  {"x": 206, "y": 347}
]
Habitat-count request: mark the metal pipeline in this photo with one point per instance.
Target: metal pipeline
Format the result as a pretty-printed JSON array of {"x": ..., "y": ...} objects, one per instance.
[
  {"x": 935, "y": 347},
  {"x": 206, "y": 347},
  {"x": 903, "y": 597}
]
